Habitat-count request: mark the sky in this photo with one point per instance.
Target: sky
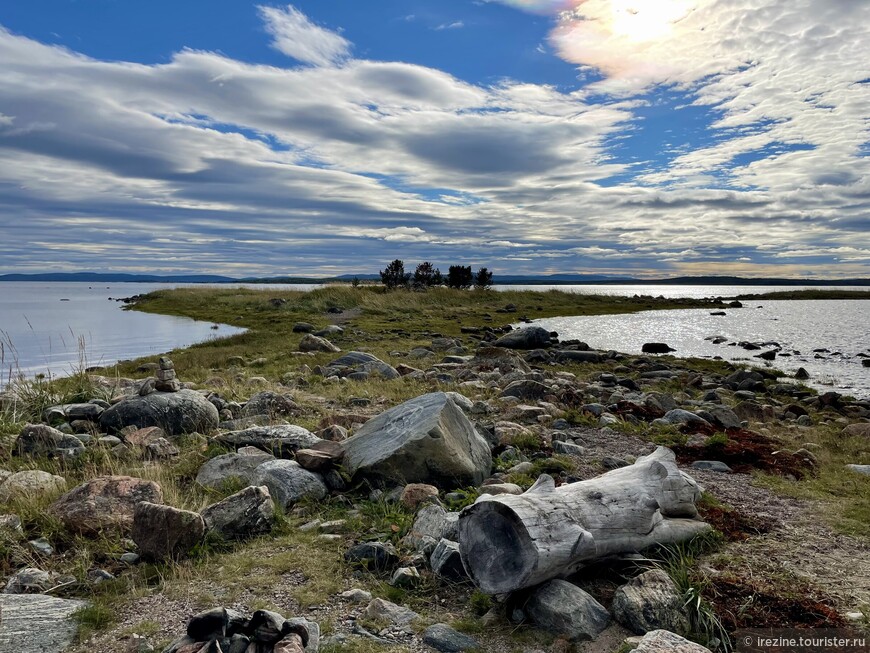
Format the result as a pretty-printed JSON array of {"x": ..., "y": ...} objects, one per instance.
[{"x": 644, "y": 138}]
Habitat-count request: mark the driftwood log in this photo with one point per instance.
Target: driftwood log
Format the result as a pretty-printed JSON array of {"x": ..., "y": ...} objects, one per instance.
[{"x": 509, "y": 542}]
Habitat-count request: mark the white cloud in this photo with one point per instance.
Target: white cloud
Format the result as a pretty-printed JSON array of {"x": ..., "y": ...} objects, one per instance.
[
  {"x": 296, "y": 36},
  {"x": 458, "y": 24}
]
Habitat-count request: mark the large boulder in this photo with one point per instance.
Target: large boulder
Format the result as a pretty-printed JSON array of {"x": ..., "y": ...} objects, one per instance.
[
  {"x": 281, "y": 439},
  {"x": 232, "y": 468},
  {"x": 30, "y": 483},
  {"x": 358, "y": 361},
  {"x": 269, "y": 403},
  {"x": 424, "y": 440},
  {"x": 104, "y": 503},
  {"x": 663, "y": 641},
  {"x": 163, "y": 532},
  {"x": 289, "y": 483},
  {"x": 42, "y": 440},
  {"x": 244, "y": 514},
  {"x": 564, "y": 609},
  {"x": 526, "y": 338},
  {"x": 859, "y": 430},
  {"x": 180, "y": 412},
  {"x": 36, "y": 622},
  {"x": 316, "y": 343},
  {"x": 650, "y": 601}
]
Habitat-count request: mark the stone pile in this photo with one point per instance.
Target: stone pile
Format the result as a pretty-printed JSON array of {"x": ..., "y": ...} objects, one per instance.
[{"x": 167, "y": 380}]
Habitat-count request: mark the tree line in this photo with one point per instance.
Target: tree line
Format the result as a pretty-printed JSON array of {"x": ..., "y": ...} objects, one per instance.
[{"x": 427, "y": 275}]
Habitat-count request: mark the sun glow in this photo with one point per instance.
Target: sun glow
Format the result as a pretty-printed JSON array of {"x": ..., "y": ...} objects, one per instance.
[{"x": 647, "y": 20}]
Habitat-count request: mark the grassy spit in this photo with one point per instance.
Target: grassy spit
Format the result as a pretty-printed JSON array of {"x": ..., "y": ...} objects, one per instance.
[{"x": 292, "y": 569}]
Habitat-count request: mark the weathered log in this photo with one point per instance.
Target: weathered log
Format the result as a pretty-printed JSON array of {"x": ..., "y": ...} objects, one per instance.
[{"x": 509, "y": 542}]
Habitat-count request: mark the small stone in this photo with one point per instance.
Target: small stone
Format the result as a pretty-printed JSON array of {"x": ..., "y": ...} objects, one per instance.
[
  {"x": 712, "y": 466},
  {"x": 414, "y": 494},
  {"x": 380, "y": 609},
  {"x": 130, "y": 558},
  {"x": 356, "y": 595},
  {"x": 405, "y": 577},
  {"x": 42, "y": 546},
  {"x": 443, "y": 638},
  {"x": 372, "y": 555}
]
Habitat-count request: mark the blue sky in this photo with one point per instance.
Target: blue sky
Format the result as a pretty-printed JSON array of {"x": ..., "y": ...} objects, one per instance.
[{"x": 631, "y": 137}]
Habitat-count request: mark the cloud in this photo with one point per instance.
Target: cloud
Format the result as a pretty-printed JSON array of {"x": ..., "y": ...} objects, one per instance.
[
  {"x": 454, "y": 25},
  {"x": 295, "y": 35}
]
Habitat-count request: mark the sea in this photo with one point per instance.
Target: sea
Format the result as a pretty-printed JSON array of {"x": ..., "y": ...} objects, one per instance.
[{"x": 56, "y": 328}]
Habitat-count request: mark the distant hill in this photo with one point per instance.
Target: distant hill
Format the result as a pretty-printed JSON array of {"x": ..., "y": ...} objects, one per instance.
[{"x": 507, "y": 279}]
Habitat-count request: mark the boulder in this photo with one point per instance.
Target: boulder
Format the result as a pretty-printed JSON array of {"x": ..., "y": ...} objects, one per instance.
[
  {"x": 214, "y": 623},
  {"x": 30, "y": 580},
  {"x": 663, "y": 641},
  {"x": 860, "y": 430},
  {"x": 564, "y": 609},
  {"x": 656, "y": 348},
  {"x": 30, "y": 483},
  {"x": 374, "y": 556},
  {"x": 432, "y": 524},
  {"x": 443, "y": 638},
  {"x": 317, "y": 343},
  {"x": 424, "y": 440},
  {"x": 723, "y": 417},
  {"x": 289, "y": 483},
  {"x": 104, "y": 503},
  {"x": 42, "y": 440},
  {"x": 446, "y": 561},
  {"x": 281, "y": 439},
  {"x": 526, "y": 389},
  {"x": 232, "y": 467},
  {"x": 144, "y": 437},
  {"x": 414, "y": 494},
  {"x": 382, "y": 610},
  {"x": 269, "y": 403},
  {"x": 163, "y": 532},
  {"x": 681, "y": 417},
  {"x": 526, "y": 338},
  {"x": 575, "y": 356},
  {"x": 357, "y": 361},
  {"x": 650, "y": 601},
  {"x": 37, "y": 622},
  {"x": 247, "y": 513},
  {"x": 180, "y": 412}
]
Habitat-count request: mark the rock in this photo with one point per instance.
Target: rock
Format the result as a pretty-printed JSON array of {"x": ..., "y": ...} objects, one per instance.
[
  {"x": 330, "y": 330},
  {"x": 30, "y": 581},
  {"x": 42, "y": 440},
  {"x": 41, "y": 546},
  {"x": 683, "y": 417},
  {"x": 574, "y": 356},
  {"x": 10, "y": 523},
  {"x": 860, "y": 430},
  {"x": 282, "y": 439},
  {"x": 358, "y": 361},
  {"x": 446, "y": 561},
  {"x": 144, "y": 437},
  {"x": 322, "y": 457},
  {"x": 30, "y": 483},
  {"x": 525, "y": 338},
  {"x": 356, "y": 596},
  {"x": 723, "y": 417},
  {"x": 405, "y": 577},
  {"x": 37, "y": 623},
  {"x": 316, "y": 343},
  {"x": 650, "y": 601},
  {"x": 232, "y": 467},
  {"x": 564, "y": 609},
  {"x": 502, "y": 488},
  {"x": 247, "y": 513},
  {"x": 767, "y": 355},
  {"x": 374, "y": 556},
  {"x": 750, "y": 411},
  {"x": 303, "y": 327},
  {"x": 104, "y": 503},
  {"x": 161, "y": 449},
  {"x": 269, "y": 403},
  {"x": 526, "y": 389},
  {"x": 860, "y": 469},
  {"x": 381, "y": 610},
  {"x": 712, "y": 466},
  {"x": 180, "y": 412},
  {"x": 69, "y": 412},
  {"x": 414, "y": 494},
  {"x": 432, "y": 524},
  {"x": 424, "y": 440},
  {"x": 568, "y": 448},
  {"x": 443, "y": 638},
  {"x": 656, "y": 348},
  {"x": 289, "y": 483},
  {"x": 801, "y": 374},
  {"x": 163, "y": 532},
  {"x": 663, "y": 641}
]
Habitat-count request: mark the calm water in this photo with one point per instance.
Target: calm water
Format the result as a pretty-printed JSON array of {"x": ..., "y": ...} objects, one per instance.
[
  {"x": 840, "y": 326},
  {"x": 693, "y": 292}
]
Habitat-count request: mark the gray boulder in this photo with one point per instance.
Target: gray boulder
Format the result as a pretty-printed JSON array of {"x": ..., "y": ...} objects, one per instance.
[
  {"x": 650, "y": 601},
  {"x": 361, "y": 362},
  {"x": 288, "y": 482},
  {"x": 180, "y": 412},
  {"x": 42, "y": 440},
  {"x": 663, "y": 641},
  {"x": 244, "y": 514},
  {"x": 163, "y": 532},
  {"x": 443, "y": 638},
  {"x": 681, "y": 417},
  {"x": 37, "y": 623},
  {"x": 526, "y": 389},
  {"x": 269, "y": 403},
  {"x": 316, "y": 343},
  {"x": 446, "y": 561},
  {"x": 232, "y": 467},
  {"x": 564, "y": 609},
  {"x": 723, "y": 417},
  {"x": 576, "y": 356},
  {"x": 281, "y": 439},
  {"x": 432, "y": 524},
  {"x": 424, "y": 440},
  {"x": 526, "y": 338},
  {"x": 30, "y": 483},
  {"x": 30, "y": 580},
  {"x": 382, "y": 610}
]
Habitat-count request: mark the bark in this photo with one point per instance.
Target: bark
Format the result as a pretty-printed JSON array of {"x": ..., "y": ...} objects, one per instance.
[{"x": 510, "y": 542}]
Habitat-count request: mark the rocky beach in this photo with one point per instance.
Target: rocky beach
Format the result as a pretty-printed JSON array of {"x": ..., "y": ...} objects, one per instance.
[{"x": 371, "y": 471}]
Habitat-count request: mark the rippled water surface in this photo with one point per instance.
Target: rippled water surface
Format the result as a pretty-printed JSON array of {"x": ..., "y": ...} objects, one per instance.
[{"x": 840, "y": 326}]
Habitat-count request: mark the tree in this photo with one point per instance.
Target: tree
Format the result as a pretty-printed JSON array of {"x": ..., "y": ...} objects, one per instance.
[
  {"x": 459, "y": 276},
  {"x": 483, "y": 279},
  {"x": 438, "y": 279},
  {"x": 425, "y": 275},
  {"x": 394, "y": 275}
]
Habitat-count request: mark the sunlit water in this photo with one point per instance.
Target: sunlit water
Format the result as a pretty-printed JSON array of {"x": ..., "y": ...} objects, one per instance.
[{"x": 799, "y": 327}]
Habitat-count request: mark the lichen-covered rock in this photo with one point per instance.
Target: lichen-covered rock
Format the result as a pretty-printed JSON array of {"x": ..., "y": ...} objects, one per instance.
[
  {"x": 247, "y": 513},
  {"x": 163, "y": 532},
  {"x": 662, "y": 641},
  {"x": 30, "y": 483},
  {"x": 232, "y": 467},
  {"x": 564, "y": 609},
  {"x": 650, "y": 601},
  {"x": 526, "y": 338},
  {"x": 424, "y": 440},
  {"x": 280, "y": 439},
  {"x": 104, "y": 503},
  {"x": 269, "y": 403},
  {"x": 180, "y": 412},
  {"x": 42, "y": 440},
  {"x": 289, "y": 483},
  {"x": 316, "y": 343}
]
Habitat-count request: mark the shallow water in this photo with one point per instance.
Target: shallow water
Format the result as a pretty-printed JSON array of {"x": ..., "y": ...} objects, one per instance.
[{"x": 798, "y": 326}]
